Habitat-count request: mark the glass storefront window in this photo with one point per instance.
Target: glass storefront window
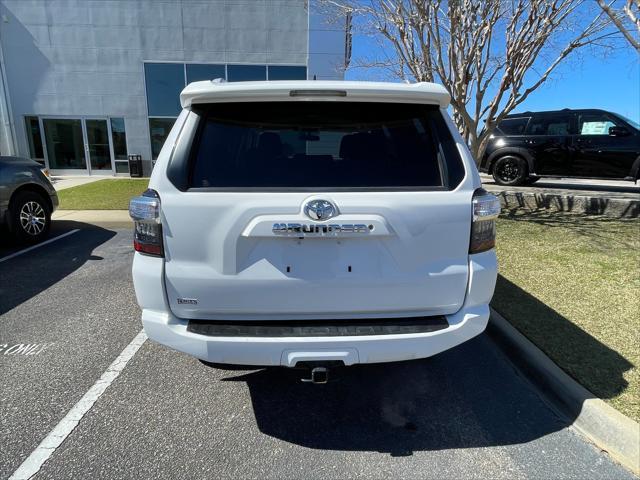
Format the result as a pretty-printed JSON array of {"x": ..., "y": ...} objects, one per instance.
[
  {"x": 164, "y": 82},
  {"x": 34, "y": 138},
  {"x": 283, "y": 72},
  {"x": 122, "y": 167},
  {"x": 119, "y": 138},
  {"x": 64, "y": 143},
  {"x": 159, "y": 129},
  {"x": 197, "y": 72},
  {"x": 246, "y": 73}
]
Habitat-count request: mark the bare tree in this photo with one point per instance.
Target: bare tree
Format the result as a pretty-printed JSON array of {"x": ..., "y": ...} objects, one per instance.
[
  {"x": 490, "y": 55},
  {"x": 629, "y": 13}
]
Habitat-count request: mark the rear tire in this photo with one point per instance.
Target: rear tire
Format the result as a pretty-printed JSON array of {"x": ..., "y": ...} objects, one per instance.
[
  {"x": 29, "y": 217},
  {"x": 510, "y": 170}
]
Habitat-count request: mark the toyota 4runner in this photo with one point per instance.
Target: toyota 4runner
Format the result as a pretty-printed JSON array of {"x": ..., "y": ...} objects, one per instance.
[{"x": 300, "y": 223}]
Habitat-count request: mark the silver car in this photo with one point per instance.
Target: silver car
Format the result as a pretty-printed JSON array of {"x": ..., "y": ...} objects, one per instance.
[{"x": 27, "y": 199}]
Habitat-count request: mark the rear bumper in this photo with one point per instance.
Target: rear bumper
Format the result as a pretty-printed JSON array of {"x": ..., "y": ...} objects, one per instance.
[{"x": 165, "y": 328}]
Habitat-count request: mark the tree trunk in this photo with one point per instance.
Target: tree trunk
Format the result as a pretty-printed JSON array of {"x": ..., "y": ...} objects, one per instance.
[
  {"x": 480, "y": 147},
  {"x": 474, "y": 147}
]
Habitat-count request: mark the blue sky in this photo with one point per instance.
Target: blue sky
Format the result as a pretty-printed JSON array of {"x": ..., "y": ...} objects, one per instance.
[{"x": 611, "y": 83}]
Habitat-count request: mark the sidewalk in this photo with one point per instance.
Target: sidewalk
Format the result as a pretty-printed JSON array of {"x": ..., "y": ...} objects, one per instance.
[
  {"x": 103, "y": 218},
  {"x": 60, "y": 183}
]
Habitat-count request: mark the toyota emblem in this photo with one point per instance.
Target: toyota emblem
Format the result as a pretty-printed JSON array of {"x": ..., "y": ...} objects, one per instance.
[{"x": 320, "y": 210}]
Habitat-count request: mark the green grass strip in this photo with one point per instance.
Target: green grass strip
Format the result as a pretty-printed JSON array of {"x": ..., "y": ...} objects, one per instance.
[
  {"x": 109, "y": 194},
  {"x": 571, "y": 284}
]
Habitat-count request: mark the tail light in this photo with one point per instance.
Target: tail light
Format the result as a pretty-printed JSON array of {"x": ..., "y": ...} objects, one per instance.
[
  {"x": 145, "y": 212},
  {"x": 486, "y": 208}
]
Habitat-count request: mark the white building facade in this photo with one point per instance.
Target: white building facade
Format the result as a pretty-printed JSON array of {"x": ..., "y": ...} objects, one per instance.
[{"x": 85, "y": 83}]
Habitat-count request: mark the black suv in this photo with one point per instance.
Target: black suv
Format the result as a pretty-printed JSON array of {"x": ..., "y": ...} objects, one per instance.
[{"x": 565, "y": 143}]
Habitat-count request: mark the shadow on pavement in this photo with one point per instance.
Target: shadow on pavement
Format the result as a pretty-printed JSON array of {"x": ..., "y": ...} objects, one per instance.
[
  {"x": 30, "y": 273},
  {"x": 467, "y": 397}
]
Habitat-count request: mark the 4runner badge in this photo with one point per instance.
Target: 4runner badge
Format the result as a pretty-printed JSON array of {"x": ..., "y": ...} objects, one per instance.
[{"x": 299, "y": 229}]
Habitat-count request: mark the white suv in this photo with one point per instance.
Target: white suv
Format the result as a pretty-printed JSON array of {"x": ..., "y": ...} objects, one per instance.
[{"x": 314, "y": 223}]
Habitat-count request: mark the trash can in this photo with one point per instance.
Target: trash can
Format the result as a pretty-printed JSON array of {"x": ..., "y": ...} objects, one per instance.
[{"x": 135, "y": 165}]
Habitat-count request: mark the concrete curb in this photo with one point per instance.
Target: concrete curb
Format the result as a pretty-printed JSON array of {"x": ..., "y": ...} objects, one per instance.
[
  {"x": 609, "y": 206},
  {"x": 100, "y": 218},
  {"x": 607, "y": 428}
]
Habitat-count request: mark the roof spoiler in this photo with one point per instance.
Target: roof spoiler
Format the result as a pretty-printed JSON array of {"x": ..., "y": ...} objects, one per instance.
[{"x": 213, "y": 91}]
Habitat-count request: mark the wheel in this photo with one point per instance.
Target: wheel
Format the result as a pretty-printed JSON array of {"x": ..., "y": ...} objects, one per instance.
[
  {"x": 29, "y": 217},
  {"x": 510, "y": 171}
]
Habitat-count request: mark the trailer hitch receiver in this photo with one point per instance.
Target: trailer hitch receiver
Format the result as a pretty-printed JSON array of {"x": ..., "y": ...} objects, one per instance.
[{"x": 319, "y": 375}]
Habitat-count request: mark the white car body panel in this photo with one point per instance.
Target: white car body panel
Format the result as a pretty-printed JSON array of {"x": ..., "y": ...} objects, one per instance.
[
  {"x": 393, "y": 274},
  {"x": 220, "y": 250},
  {"x": 212, "y": 92},
  {"x": 162, "y": 326}
]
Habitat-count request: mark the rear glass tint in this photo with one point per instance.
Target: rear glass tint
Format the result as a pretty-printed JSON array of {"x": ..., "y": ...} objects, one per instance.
[
  {"x": 553, "y": 125},
  {"x": 513, "y": 126},
  {"x": 323, "y": 145}
]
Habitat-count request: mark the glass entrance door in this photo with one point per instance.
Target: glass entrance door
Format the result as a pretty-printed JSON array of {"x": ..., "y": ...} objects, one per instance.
[
  {"x": 75, "y": 145},
  {"x": 65, "y": 144},
  {"x": 97, "y": 146}
]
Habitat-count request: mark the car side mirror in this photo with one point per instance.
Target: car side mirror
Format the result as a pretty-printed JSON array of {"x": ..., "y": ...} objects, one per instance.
[{"x": 618, "y": 131}]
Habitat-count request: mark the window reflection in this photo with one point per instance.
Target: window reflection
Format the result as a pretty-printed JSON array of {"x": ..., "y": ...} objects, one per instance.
[
  {"x": 198, "y": 71},
  {"x": 34, "y": 138},
  {"x": 159, "y": 129},
  {"x": 65, "y": 145},
  {"x": 246, "y": 73},
  {"x": 164, "y": 82},
  {"x": 119, "y": 137},
  {"x": 282, "y": 72}
]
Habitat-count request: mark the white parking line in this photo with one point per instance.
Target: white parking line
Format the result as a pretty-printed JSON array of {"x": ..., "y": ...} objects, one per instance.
[
  {"x": 54, "y": 439},
  {"x": 15, "y": 254}
]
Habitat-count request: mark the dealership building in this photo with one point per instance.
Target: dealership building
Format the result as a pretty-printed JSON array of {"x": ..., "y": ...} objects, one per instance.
[{"x": 86, "y": 83}]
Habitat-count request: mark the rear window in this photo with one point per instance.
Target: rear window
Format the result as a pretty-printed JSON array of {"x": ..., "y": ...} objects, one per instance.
[
  {"x": 323, "y": 145},
  {"x": 513, "y": 126}
]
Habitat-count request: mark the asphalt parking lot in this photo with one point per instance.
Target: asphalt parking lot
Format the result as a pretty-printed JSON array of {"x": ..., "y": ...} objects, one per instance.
[{"x": 465, "y": 413}]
